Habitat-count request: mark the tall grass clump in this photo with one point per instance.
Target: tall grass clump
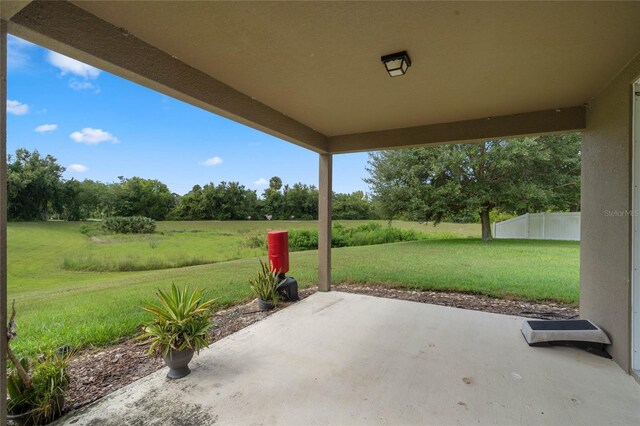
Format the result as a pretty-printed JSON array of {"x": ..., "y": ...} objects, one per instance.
[
  {"x": 303, "y": 239},
  {"x": 90, "y": 230},
  {"x": 90, "y": 263},
  {"x": 255, "y": 239},
  {"x": 363, "y": 235},
  {"x": 129, "y": 225}
]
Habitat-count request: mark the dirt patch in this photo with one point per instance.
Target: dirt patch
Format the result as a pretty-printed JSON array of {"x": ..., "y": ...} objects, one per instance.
[
  {"x": 98, "y": 372},
  {"x": 98, "y": 240}
]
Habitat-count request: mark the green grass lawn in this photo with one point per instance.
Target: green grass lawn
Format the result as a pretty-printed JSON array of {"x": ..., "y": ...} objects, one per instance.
[
  {"x": 57, "y": 306},
  {"x": 179, "y": 244}
]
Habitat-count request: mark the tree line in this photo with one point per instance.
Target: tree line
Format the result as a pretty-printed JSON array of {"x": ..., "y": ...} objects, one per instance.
[
  {"x": 471, "y": 182},
  {"x": 38, "y": 191}
]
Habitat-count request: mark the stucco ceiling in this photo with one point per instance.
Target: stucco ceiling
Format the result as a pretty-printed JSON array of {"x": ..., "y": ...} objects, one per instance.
[{"x": 319, "y": 63}]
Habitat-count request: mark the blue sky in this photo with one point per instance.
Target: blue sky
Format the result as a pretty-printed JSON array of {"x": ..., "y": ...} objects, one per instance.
[{"x": 101, "y": 126}]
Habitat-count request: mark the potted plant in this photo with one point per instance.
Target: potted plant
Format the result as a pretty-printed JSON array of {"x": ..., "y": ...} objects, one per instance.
[
  {"x": 41, "y": 399},
  {"x": 265, "y": 286},
  {"x": 179, "y": 328},
  {"x": 36, "y": 389}
]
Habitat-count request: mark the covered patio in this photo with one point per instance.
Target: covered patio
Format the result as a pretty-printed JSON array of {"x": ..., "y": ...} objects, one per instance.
[
  {"x": 341, "y": 358},
  {"x": 310, "y": 74}
]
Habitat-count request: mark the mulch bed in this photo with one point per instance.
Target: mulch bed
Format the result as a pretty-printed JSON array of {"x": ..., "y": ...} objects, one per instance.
[
  {"x": 98, "y": 372},
  {"x": 474, "y": 302}
]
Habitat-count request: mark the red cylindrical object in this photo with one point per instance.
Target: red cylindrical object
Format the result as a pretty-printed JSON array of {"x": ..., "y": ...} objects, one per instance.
[{"x": 279, "y": 251}]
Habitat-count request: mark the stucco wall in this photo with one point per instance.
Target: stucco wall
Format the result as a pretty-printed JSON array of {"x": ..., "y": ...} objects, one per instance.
[{"x": 605, "y": 249}]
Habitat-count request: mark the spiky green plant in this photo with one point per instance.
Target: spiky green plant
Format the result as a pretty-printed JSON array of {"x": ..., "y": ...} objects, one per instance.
[
  {"x": 181, "y": 321},
  {"x": 43, "y": 399},
  {"x": 35, "y": 388},
  {"x": 265, "y": 285}
]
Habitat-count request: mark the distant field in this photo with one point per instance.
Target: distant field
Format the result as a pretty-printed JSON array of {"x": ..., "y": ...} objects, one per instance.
[
  {"x": 58, "y": 306},
  {"x": 179, "y": 244}
]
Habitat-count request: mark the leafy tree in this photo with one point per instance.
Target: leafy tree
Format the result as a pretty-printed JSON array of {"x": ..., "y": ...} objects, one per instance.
[
  {"x": 86, "y": 199},
  {"x": 70, "y": 200},
  {"x": 191, "y": 205},
  {"x": 97, "y": 199},
  {"x": 228, "y": 201},
  {"x": 519, "y": 176},
  {"x": 352, "y": 206},
  {"x": 34, "y": 185},
  {"x": 273, "y": 199},
  {"x": 225, "y": 201},
  {"x": 275, "y": 183},
  {"x": 562, "y": 171},
  {"x": 250, "y": 206},
  {"x": 300, "y": 201},
  {"x": 143, "y": 197}
]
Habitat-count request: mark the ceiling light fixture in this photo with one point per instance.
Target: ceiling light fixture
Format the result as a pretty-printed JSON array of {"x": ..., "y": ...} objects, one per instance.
[{"x": 396, "y": 64}]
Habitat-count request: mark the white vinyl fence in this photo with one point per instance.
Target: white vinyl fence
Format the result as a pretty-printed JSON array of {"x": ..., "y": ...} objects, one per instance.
[{"x": 540, "y": 226}]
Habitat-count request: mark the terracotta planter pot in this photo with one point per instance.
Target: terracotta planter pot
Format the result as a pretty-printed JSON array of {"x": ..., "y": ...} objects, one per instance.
[{"x": 178, "y": 363}]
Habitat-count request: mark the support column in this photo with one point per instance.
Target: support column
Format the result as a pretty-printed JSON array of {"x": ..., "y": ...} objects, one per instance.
[
  {"x": 324, "y": 222},
  {"x": 3, "y": 222}
]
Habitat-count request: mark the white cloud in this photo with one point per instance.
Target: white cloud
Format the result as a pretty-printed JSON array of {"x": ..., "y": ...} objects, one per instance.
[
  {"x": 213, "y": 161},
  {"x": 17, "y": 108},
  {"x": 67, "y": 65},
  {"x": 82, "y": 85},
  {"x": 46, "y": 128},
  {"x": 93, "y": 136},
  {"x": 261, "y": 182},
  {"x": 17, "y": 56},
  {"x": 78, "y": 168}
]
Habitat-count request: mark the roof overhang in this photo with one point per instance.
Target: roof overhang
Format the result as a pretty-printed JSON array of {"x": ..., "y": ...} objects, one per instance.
[
  {"x": 68, "y": 29},
  {"x": 310, "y": 73}
]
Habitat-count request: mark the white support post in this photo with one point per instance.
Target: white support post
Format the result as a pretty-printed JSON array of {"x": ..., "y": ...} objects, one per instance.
[
  {"x": 3, "y": 222},
  {"x": 324, "y": 222}
]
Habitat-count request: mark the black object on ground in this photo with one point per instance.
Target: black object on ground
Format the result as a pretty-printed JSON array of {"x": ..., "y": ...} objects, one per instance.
[
  {"x": 288, "y": 289},
  {"x": 581, "y": 334}
]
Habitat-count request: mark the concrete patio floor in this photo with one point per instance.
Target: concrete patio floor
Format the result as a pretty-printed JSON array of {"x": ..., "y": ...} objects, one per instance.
[{"x": 338, "y": 358}]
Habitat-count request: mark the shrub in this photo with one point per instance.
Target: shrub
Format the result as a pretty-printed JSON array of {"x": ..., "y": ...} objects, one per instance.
[
  {"x": 43, "y": 399},
  {"x": 90, "y": 230},
  {"x": 129, "y": 225},
  {"x": 499, "y": 216},
  {"x": 300, "y": 240},
  {"x": 363, "y": 235},
  {"x": 35, "y": 388},
  {"x": 256, "y": 239}
]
